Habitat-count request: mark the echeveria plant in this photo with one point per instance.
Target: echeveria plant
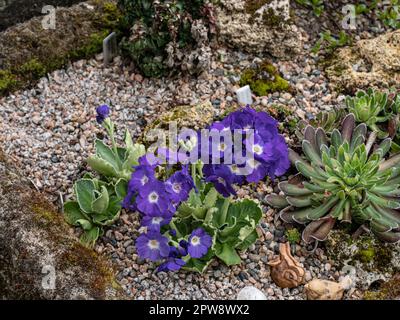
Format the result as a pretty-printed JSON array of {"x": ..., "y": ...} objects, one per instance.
[
  {"x": 345, "y": 178},
  {"x": 370, "y": 107}
]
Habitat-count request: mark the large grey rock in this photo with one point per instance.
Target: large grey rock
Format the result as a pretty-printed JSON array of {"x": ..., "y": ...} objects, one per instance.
[
  {"x": 259, "y": 29},
  {"x": 368, "y": 63},
  {"x": 40, "y": 258}
]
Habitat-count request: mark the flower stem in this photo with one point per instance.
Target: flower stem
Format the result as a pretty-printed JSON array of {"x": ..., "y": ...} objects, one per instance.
[
  {"x": 194, "y": 173},
  {"x": 109, "y": 126}
]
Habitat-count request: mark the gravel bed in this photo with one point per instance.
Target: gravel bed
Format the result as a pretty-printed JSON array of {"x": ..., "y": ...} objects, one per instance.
[{"x": 51, "y": 128}]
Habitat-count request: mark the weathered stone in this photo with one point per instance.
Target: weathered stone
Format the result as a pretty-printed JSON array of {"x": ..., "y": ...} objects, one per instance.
[
  {"x": 318, "y": 289},
  {"x": 266, "y": 29},
  {"x": 368, "y": 63},
  {"x": 373, "y": 260},
  {"x": 36, "y": 244},
  {"x": 193, "y": 117}
]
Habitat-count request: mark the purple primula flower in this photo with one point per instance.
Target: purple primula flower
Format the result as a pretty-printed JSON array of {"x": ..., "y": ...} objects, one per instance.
[
  {"x": 172, "y": 264},
  {"x": 103, "y": 112},
  {"x": 152, "y": 199},
  {"x": 142, "y": 175},
  {"x": 174, "y": 261},
  {"x": 153, "y": 246},
  {"x": 222, "y": 178},
  {"x": 242, "y": 119},
  {"x": 129, "y": 202},
  {"x": 281, "y": 157},
  {"x": 149, "y": 159},
  {"x": 199, "y": 243},
  {"x": 266, "y": 126},
  {"x": 179, "y": 185},
  {"x": 256, "y": 170},
  {"x": 155, "y": 223},
  {"x": 172, "y": 232}
]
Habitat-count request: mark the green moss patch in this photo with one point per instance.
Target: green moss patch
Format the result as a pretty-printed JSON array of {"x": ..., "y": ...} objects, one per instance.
[{"x": 264, "y": 79}]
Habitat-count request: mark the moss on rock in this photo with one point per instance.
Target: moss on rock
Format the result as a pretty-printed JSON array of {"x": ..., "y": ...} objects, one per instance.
[
  {"x": 365, "y": 251},
  {"x": 389, "y": 290},
  {"x": 28, "y": 52},
  {"x": 34, "y": 235},
  {"x": 251, "y": 6},
  {"x": 264, "y": 79},
  {"x": 193, "y": 117}
]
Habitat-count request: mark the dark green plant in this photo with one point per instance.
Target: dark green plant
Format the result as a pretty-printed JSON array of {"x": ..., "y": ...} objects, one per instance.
[
  {"x": 372, "y": 108},
  {"x": 154, "y": 25},
  {"x": 293, "y": 235},
  {"x": 329, "y": 43},
  {"x": 316, "y": 5},
  {"x": 345, "y": 177}
]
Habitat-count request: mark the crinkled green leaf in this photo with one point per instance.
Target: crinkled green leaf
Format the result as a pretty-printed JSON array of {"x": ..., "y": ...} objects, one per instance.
[
  {"x": 102, "y": 166},
  {"x": 84, "y": 191},
  {"x": 89, "y": 237},
  {"x": 121, "y": 188},
  {"x": 104, "y": 152},
  {"x": 85, "y": 224},
  {"x": 73, "y": 213},
  {"x": 100, "y": 204},
  {"x": 134, "y": 152},
  {"x": 227, "y": 254}
]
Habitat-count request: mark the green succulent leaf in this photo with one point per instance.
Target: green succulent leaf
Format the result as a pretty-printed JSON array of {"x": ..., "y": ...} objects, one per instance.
[
  {"x": 85, "y": 224},
  {"x": 121, "y": 188},
  {"x": 90, "y": 236}
]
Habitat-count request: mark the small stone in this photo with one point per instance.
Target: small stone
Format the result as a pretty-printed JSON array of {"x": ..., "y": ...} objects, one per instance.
[
  {"x": 130, "y": 250},
  {"x": 138, "y": 77},
  {"x": 251, "y": 293},
  {"x": 118, "y": 236},
  {"x": 264, "y": 102},
  {"x": 327, "y": 266}
]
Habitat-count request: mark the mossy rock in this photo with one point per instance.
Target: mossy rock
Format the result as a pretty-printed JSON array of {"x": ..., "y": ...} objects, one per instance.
[
  {"x": 365, "y": 252},
  {"x": 389, "y": 290},
  {"x": 34, "y": 238},
  {"x": 264, "y": 79},
  {"x": 193, "y": 117},
  {"x": 28, "y": 52}
]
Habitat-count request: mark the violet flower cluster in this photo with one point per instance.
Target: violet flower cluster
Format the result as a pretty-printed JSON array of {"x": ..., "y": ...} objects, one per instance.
[
  {"x": 262, "y": 151},
  {"x": 157, "y": 201}
]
